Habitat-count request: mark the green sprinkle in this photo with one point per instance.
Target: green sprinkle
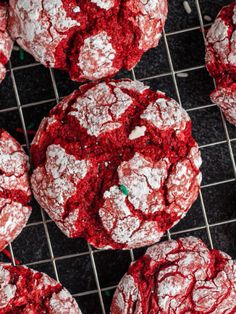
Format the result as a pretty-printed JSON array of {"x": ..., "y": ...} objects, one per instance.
[
  {"x": 107, "y": 293},
  {"x": 31, "y": 126},
  {"x": 22, "y": 54},
  {"x": 124, "y": 189}
]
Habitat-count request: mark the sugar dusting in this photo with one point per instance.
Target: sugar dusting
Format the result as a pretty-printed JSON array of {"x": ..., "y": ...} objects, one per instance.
[
  {"x": 40, "y": 37},
  {"x": 99, "y": 108},
  {"x": 225, "y": 97},
  {"x": 63, "y": 302},
  {"x": 221, "y": 58},
  {"x": 179, "y": 275},
  {"x": 54, "y": 183},
  {"x": 18, "y": 295},
  {"x": 165, "y": 114},
  {"x": 7, "y": 291},
  {"x": 150, "y": 16},
  {"x": 6, "y": 43},
  {"x": 143, "y": 178},
  {"x": 14, "y": 168},
  {"x": 96, "y": 56},
  {"x": 123, "y": 226},
  {"x": 104, "y": 4}
]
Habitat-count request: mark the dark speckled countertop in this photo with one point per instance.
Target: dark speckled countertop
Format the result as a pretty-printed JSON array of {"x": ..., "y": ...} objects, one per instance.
[{"x": 92, "y": 275}]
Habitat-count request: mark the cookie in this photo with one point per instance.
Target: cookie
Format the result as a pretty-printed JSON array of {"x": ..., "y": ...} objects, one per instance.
[
  {"x": 24, "y": 290},
  {"x": 221, "y": 60},
  {"x": 225, "y": 97},
  {"x": 15, "y": 192},
  {"x": 181, "y": 276},
  {"x": 116, "y": 163},
  {"x": 6, "y": 43},
  {"x": 91, "y": 39}
]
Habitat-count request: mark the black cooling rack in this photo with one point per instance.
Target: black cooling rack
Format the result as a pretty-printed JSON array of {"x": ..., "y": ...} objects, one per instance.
[{"x": 176, "y": 67}]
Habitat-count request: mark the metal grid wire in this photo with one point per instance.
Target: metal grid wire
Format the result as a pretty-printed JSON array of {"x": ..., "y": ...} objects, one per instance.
[{"x": 90, "y": 252}]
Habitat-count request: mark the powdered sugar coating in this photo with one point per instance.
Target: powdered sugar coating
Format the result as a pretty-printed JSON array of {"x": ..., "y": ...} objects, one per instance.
[
  {"x": 144, "y": 178},
  {"x": 145, "y": 182},
  {"x": 165, "y": 114},
  {"x": 180, "y": 276},
  {"x": 122, "y": 224},
  {"x": 13, "y": 217},
  {"x": 6, "y": 44},
  {"x": 40, "y": 38},
  {"x": 183, "y": 183},
  {"x": 7, "y": 291},
  {"x": 225, "y": 97},
  {"x": 98, "y": 107},
  {"x": 130, "y": 85},
  {"x": 96, "y": 57},
  {"x": 128, "y": 289},
  {"x": 140, "y": 162},
  {"x": 221, "y": 60},
  {"x": 149, "y": 16},
  {"x": 63, "y": 301},
  {"x": 15, "y": 191},
  {"x": 56, "y": 182},
  {"x": 221, "y": 42},
  {"x": 27, "y": 291},
  {"x": 104, "y": 4},
  {"x": 92, "y": 39}
]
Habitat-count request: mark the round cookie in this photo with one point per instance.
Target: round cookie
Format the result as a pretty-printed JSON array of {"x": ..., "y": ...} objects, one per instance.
[
  {"x": 6, "y": 43},
  {"x": 91, "y": 39},
  {"x": 24, "y": 290},
  {"x": 116, "y": 163},
  {"x": 15, "y": 192},
  {"x": 181, "y": 276},
  {"x": 221, "y": 60}
]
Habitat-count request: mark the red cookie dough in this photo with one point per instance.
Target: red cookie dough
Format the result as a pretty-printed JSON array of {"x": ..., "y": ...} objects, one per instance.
[
  {"x": 6, "y": 43},
  {"x": 221, "y": 60},
  {"x": 176, "y": 277},
  {"x": 15, "y": 190},
  {"x": 91, "y": 39},
  {"x": 116, "y": 163},
  {"x": 23, "y": 290}
]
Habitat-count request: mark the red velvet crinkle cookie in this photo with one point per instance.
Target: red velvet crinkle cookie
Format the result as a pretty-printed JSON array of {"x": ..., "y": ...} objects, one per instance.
[
  {"x": 23, "y": 290},
  {"x": 221, "y": 60},
  {"x": 89, "y": 38},
  {"x": 181, "y": 276},
  {"x": 116, "y": 163},
  {"x": 6, "y": 43},
  {"x": 15, "y": 191}
]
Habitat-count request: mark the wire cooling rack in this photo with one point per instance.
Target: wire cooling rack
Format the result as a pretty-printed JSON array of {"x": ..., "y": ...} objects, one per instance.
[{"x": 176, "y": 66}]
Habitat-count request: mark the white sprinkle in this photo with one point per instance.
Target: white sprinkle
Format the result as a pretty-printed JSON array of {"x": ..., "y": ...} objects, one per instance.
[
  {"x": 187, "y": 7},
  {"x": 76, "y": 9},
  {"x": 207, "y": 18},
  {"x": 182, "y": 74},
  {"x": 16, "y": 48},
  {"x": 137, "y": 132}
]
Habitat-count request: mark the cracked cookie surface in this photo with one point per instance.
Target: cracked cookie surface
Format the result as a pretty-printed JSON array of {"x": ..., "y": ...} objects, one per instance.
[
  {"x": 23, "y": 290},
  {"x": 221, "y": 60},
  {"x": 6, "y": 43},
  {"x": 177, "y": 277},
  {"x": 116, "y": 163},
  {"x": 91, "y": 39},
  {"x": 15, "y": 190}
]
